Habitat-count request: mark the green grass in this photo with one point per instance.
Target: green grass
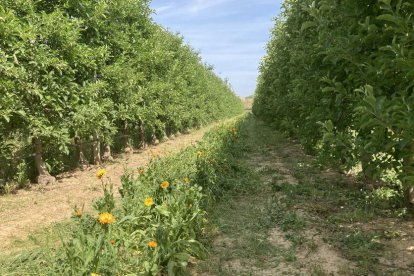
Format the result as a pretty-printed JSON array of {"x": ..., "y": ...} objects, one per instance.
[
  {"x": 250, "y": 197},
  {"x": 32, "y": 255},
  {"x": 317, "y": 202},
  {"x": 87, "y": 246},
  {"x": 247, "y": 218}
]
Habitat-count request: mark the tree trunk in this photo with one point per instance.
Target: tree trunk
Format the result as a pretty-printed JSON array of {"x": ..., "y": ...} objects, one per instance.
[
  {"x": 107, "y": 156},
  {"x": 96, "y": 148},
  {"x": 44, "y": 177},
  {"x": 367, "y": 169},
  {"x": 409, "y": 171},
  {"x": 128, "y": 147},
  {"x": 141, "y": 133},
  {"x": 154, "y": 140},
  {"x": 83, "y": 163},
  {"x": 410, "y": 193},
  {"x": 164, "y": 137}
]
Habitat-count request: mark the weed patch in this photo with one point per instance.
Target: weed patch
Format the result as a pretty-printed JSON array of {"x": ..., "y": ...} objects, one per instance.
[{"x": 157, "y": 225}]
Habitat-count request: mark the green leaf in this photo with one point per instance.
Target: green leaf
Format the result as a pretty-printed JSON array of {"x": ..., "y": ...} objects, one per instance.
[
  {"x": 389, "y": 18},
  {"x": 6, "y": 118},
  {"x": 162, "y": 210},
  {"x": 308, "y": 24}
]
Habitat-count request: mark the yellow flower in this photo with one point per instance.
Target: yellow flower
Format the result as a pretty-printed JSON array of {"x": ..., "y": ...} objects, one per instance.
[
  {"x": 165, "y": 184},
  {"x": 152, "y": 244},
  {"x": 186, "y": 180},
  {"x": 149, "y": 201},
  {"x": 95, "y": 274},
  {"x": 106, "y": 218},
  {"x": 100, "y": 173}
]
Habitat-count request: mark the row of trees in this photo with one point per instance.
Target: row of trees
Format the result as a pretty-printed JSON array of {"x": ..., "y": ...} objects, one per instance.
[
  {"x": 73, "y": 71},
  {"x": 339, "y": 76}
]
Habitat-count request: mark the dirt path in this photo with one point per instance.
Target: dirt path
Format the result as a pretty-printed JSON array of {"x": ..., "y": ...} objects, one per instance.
[
  {"x": 39, "y": 207},
  {"x": 256, "y": 236},
  {"x": 292, "y": 219}
]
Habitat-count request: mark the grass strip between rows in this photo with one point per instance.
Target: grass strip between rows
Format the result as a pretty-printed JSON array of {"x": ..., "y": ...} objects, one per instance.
[{"x": 157, "y": 225}]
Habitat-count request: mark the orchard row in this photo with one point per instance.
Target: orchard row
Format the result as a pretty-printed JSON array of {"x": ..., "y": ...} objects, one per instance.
[
  {"x": 339, "y": 77},
  {"x": 76, "y": 75}
]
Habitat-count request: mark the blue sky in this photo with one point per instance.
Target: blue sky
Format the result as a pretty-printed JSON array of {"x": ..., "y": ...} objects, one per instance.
[{"x": 231, "y": 35}]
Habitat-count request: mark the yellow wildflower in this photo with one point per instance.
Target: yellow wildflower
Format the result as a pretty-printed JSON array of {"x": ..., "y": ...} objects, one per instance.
[
  {"x": 186, "y": 180},
  {"x": 149, "y": 201},
  {"x": 152, "y": 244},
  {"x": 165, "y": 184},
  {"x": 95, "y": 274},
  {"x": 100, "y": 173},
  {"x": 106, "y": 218}
]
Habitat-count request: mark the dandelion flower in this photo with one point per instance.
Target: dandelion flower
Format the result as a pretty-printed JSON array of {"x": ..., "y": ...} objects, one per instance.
[
  {"x": 106, "y": 218},
  {"x": 165, "y": 184},
  {"x": 186, "y": 180},
  {"x": 149, "y": 201},
  {"x": 100, "y": 173},
  {"x": 95, "y": 274},
  {"x": 152, "y": 244}
]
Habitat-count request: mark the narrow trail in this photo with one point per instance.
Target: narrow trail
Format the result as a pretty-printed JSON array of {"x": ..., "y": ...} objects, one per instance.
[
  {"x": 36, "y": 208},
  {"x": 248, "y": 239},
  {"x": 280, "y": 224}
]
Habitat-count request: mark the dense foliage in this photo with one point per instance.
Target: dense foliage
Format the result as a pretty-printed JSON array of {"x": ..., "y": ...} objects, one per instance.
[
  {"x": 94, "y": 71},
  {"x": 339, "y": 76}
]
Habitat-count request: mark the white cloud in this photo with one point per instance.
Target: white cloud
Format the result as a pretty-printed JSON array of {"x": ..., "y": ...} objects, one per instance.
[
  {"x": 199, "y": 5},
  {"x": 162, "y": 9},
  {"x": 189, "y": 8},
  {"x": 231, "y": 35}
]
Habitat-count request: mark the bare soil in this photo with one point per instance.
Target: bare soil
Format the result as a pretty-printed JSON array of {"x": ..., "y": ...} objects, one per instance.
[{"x": 324, "y": 257}]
